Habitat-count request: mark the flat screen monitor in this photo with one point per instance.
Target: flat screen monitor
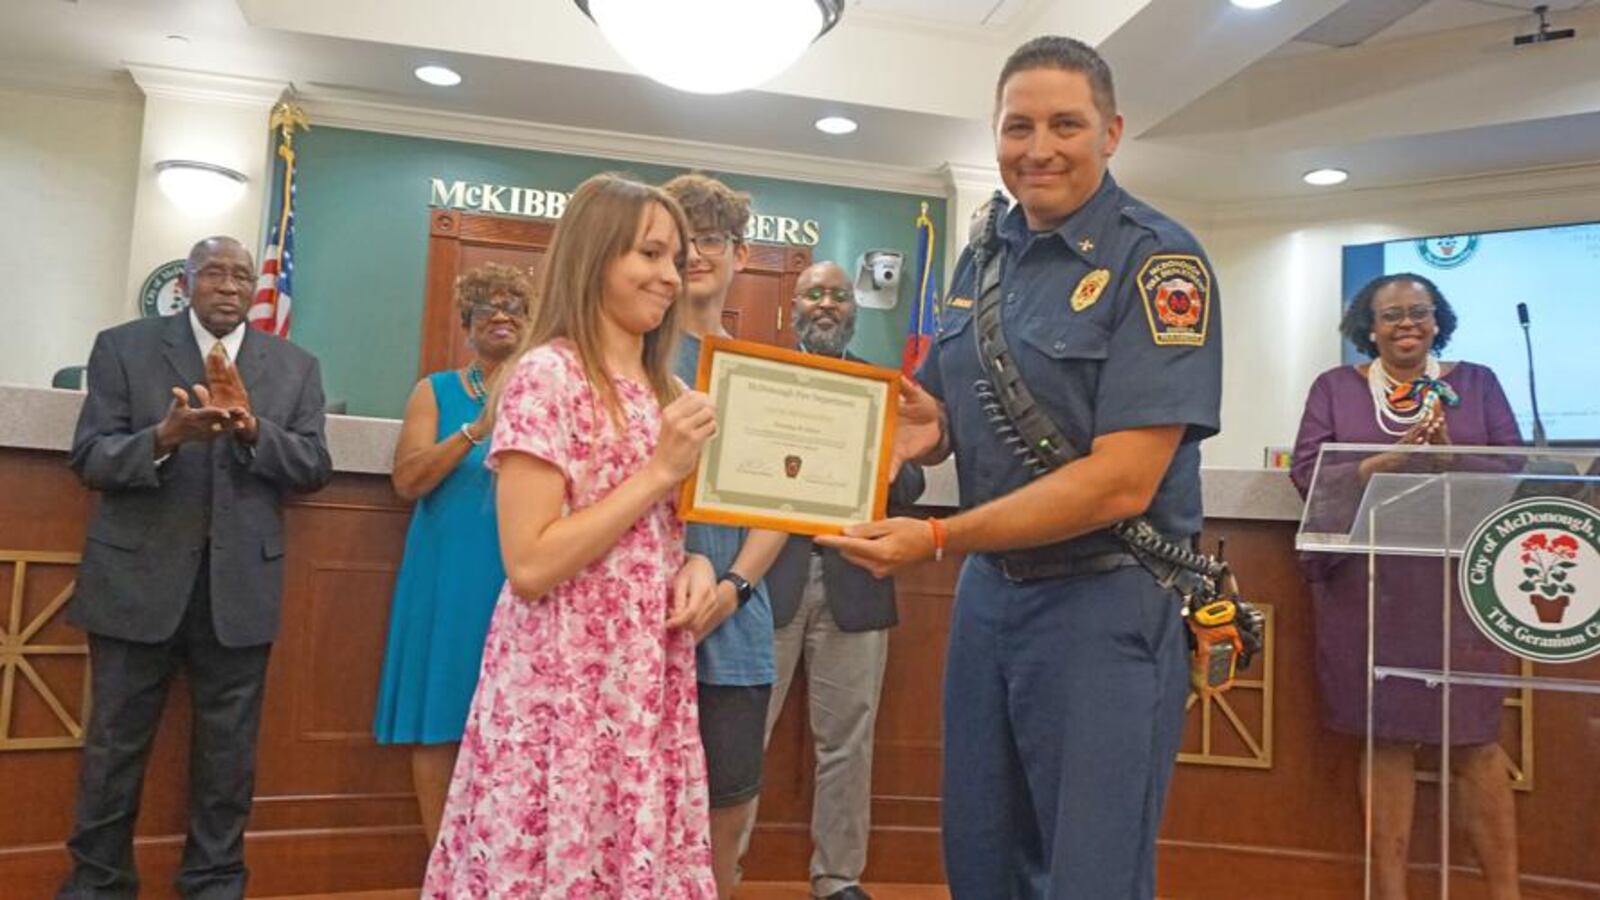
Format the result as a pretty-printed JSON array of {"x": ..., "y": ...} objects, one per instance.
[{"x": 1484, "y": 275}]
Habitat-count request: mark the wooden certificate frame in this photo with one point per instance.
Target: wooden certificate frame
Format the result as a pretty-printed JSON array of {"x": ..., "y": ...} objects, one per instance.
[{"x": 804, "y": 443}]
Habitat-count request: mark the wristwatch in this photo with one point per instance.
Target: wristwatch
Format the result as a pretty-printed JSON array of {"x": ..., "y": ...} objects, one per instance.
[{"x": 741, "y": 586}]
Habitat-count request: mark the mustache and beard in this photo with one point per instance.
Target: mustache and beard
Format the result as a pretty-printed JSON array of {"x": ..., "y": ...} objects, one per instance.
[{"x": 830, "y": 339}]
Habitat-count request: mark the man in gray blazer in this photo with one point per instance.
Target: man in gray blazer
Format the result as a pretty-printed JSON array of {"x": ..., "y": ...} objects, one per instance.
[
  {"x": 193, "y": 429},
  {"x": 835, "y": 615}
]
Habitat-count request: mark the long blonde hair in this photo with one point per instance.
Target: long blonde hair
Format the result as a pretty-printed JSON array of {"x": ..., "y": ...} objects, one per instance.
[{"x": 598, "y": 227}]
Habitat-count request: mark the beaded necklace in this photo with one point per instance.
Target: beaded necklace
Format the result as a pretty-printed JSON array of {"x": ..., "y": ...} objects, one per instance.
[
  {"x": 475, "y": 385},
  {"x": 1405, "y": 403}
]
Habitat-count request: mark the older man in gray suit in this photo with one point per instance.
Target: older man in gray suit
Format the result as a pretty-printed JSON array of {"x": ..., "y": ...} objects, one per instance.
[
  {"x": 194, "y": 427},
  {"x": 835, "y": 616}
]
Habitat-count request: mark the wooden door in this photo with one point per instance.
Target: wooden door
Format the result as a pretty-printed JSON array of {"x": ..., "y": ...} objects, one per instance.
[
  {"x": 457, "y": 242},
  {"x": 758, "y": 302},
  {"x": 757, "y": 307}
]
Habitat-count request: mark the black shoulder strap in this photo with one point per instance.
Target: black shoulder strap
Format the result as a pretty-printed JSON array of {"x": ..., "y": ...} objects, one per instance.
[
  {"x": 1006, "y": 400},
  {"x": 1034, "y": 436}
]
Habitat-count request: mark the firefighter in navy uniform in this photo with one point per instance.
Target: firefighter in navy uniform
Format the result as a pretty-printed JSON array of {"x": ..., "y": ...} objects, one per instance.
[{"x": 1068, "y": 669}]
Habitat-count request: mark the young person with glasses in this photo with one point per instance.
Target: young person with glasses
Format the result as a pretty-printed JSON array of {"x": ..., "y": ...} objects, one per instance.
[{"x": 734, "y": 661}]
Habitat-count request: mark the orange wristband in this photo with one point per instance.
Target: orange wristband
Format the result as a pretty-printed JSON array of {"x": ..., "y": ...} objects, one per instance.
[{"x": 937, "y": 527}]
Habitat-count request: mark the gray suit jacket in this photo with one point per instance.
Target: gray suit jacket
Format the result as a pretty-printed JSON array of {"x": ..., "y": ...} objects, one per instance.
[
  {"x": 858, "y": 601},
  {"x": 153, "y": 523}
]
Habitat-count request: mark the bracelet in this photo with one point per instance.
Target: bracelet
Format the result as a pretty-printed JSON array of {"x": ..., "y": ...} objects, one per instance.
[
  {"x": 937, "y": 527},
  {"x": 466, "y": 432}
]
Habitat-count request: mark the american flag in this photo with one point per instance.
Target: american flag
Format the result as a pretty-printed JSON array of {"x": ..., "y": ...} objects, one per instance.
[
  {"x": 270, "y": 311},
  {"x": 925, "y": 316}
]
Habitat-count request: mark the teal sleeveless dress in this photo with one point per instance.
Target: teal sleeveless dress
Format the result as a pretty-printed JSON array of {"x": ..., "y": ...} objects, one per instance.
[{"x": 450, "y": 578}]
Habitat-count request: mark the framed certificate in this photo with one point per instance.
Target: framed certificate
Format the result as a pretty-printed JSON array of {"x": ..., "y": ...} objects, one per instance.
[{"x": 803, "y": 442}]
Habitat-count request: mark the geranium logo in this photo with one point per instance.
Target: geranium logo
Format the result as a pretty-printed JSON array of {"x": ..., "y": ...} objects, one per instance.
[
  {"x": 1546, "y": 562},
  {"x": 1530, "y": 577},
  {"x": 1447, "y": 251}
]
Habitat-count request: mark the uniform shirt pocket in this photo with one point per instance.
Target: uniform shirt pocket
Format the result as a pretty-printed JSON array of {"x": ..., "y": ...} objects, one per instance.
[{"x": 1068, "y": 340}]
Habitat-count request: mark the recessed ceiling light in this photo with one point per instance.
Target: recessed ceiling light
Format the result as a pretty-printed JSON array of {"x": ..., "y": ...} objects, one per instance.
[
  {"x": 836, "y": 125},
  {"x": 438, "y": 76},
  {"x": 1254, "y": 4},
  {"x": 1325, "y": 177}
]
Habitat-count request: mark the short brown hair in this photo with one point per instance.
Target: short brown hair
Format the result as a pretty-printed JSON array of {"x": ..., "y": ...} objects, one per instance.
[
  {"x": 490, "y": 280},
  {"x": 709, "y": 204},
  {"x": 1052, "y": 51}
]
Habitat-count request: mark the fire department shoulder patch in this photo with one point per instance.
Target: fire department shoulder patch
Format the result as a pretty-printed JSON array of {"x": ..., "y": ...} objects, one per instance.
[{"x": 1176, "y": 289}]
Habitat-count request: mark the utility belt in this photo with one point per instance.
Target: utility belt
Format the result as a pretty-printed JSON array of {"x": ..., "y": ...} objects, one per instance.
[
  {"x": 1224, "y": 631},
  {"x": 1069, "y": 559},
  {"x": 1023, "y": 566}
]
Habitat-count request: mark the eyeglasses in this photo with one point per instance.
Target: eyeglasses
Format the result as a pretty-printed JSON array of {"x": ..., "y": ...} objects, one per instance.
[
  {"x": 482, "y": 310},
  {"x": 712, "y": 243},
  {"x": 840, "y": 295},
  {"x": 1394, "y": 315},
  {"x": 217, "y": 275}
]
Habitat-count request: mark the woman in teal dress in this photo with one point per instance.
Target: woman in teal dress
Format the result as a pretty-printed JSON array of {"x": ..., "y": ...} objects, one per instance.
[{"x": 451, "y": 573}]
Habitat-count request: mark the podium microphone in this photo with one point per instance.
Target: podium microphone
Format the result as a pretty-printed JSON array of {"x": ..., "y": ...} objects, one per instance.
[{"x": 1533, "y": 392}]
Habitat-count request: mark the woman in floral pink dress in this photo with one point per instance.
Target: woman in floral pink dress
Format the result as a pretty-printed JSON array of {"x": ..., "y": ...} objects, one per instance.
[{"x": 581, "y": 773}]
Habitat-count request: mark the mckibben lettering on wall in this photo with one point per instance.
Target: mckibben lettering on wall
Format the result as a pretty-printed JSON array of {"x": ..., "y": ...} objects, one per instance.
[{"x": 540, "y": 204}]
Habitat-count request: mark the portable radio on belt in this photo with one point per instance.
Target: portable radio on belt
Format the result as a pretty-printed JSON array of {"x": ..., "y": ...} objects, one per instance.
[
  {"x": 1216, "y": 646},
  {"x": 1225, "y": 632}
]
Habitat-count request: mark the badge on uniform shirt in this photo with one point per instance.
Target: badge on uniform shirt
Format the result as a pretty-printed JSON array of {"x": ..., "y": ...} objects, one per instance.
[
  {"x": 1176, "y": 289},
  {"x": 958, "y": 303},
  {"x": 1089, "y": 288}
]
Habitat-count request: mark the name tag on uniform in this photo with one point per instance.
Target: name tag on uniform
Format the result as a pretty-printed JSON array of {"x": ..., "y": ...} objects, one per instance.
[{"x": 959, "y": 303}]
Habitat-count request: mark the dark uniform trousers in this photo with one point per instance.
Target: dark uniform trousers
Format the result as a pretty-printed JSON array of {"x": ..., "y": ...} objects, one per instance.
[
  {"x": 129, "y": 686},
  {"x": 1066, "y": 689}
]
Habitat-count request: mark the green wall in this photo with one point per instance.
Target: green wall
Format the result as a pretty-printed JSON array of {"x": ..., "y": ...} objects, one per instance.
[{"x": 362, "y": 244}]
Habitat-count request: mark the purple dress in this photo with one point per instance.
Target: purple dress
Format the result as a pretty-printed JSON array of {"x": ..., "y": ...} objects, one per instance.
[{"x": 1339, "y": 409}]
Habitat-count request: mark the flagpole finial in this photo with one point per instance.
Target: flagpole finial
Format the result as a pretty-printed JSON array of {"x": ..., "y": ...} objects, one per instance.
[
  {"x": 287, "y": 118},
  {"x": 924, "y": 207}
]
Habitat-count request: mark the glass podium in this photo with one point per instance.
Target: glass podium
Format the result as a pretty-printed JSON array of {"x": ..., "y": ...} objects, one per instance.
[{"x": 1457, "y": 609}]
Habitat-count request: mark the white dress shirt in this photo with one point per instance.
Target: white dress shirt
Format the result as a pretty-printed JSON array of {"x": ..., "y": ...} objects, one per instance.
[{"x": 205, "y": 340}]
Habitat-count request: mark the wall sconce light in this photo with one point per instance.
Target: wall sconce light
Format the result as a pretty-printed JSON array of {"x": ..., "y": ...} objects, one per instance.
[{"x": 199, "y": 188}]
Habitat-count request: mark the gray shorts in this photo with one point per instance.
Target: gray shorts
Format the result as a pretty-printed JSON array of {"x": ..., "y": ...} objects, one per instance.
[{"x": 733, "y": 719}]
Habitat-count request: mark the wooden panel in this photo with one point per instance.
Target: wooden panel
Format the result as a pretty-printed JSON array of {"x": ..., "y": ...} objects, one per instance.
[
  {"x": 757, "y": 307},
  {"x": 758, "y": 301},
  {"x": 334, "y": 812},
  {"x": 1282, "y": 822},
  {"x": 906, "y": 751}
]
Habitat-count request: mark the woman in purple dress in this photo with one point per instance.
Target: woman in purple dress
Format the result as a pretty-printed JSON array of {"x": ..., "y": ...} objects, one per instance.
[{"x": 1407, "y": 396}]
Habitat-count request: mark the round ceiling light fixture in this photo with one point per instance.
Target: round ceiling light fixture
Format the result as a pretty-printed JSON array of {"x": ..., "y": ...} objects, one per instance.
[
  {"x": 1325, "y": 177},
  {"x": 438, "y": 76},
  {"x": 836, "y": 125},
  {"x": 711, "y": 46},
  {"x": 199, "y": 188},
  {"x": 1254, "y": 4}
]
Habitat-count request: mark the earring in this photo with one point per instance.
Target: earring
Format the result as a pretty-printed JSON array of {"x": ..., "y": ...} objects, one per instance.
[{"x": 1372, "y": 336}]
